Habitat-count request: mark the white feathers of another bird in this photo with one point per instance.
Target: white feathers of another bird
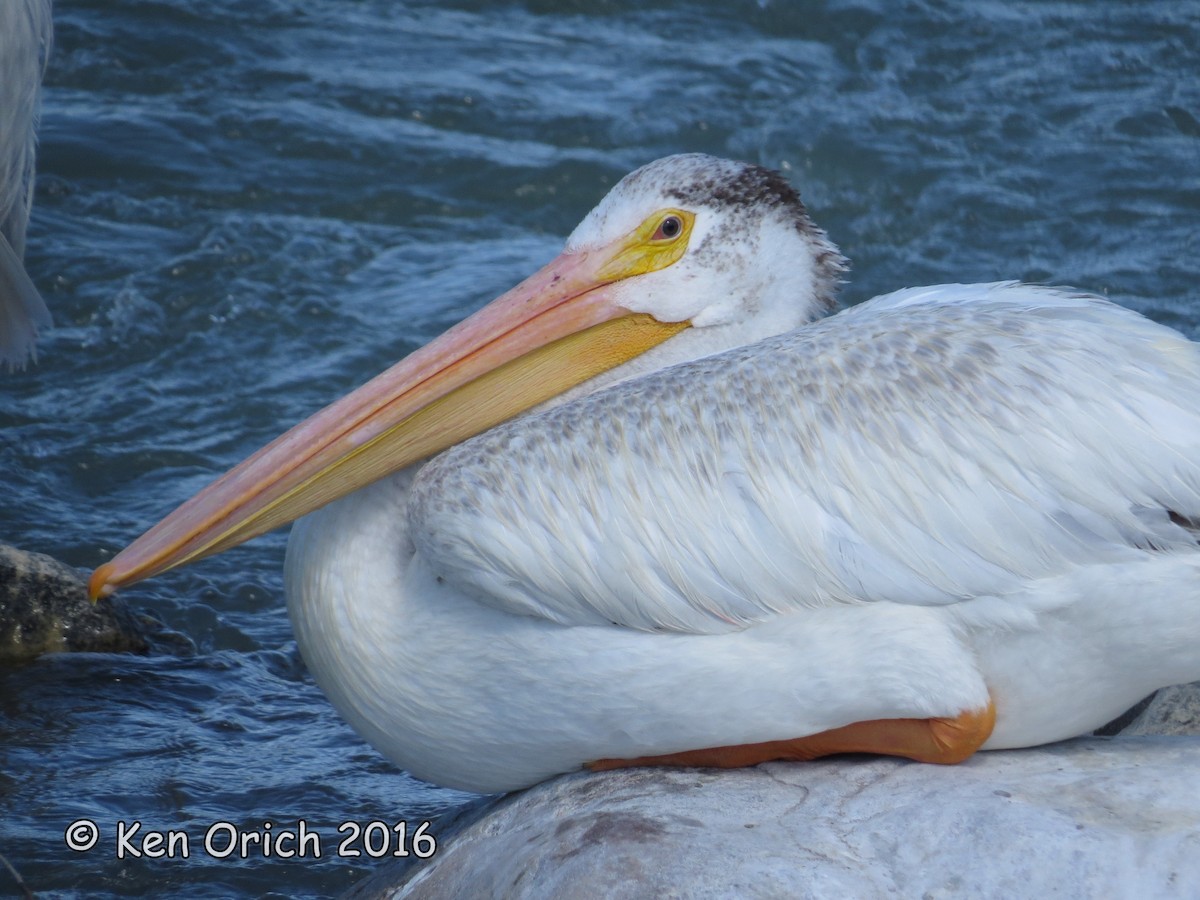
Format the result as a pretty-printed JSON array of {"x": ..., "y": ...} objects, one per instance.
[{"x": 25, "y": 36}]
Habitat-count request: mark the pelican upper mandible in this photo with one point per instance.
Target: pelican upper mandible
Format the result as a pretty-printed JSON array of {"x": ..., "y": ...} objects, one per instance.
[
  {"x": 25, "y": 35},
  {"x": 651, "y": 507}
]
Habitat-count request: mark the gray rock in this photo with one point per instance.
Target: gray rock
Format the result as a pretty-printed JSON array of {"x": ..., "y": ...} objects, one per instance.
[
  {"x": 44, "y": 608},
  {"x": 1092, "y": 817},
  {"x": 1173, "y": 710}
]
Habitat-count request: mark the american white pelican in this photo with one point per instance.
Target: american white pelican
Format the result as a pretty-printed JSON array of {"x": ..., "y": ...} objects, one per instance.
[
  {"x": 25, "y": 31},
  {"x": 945, "y": 509}
]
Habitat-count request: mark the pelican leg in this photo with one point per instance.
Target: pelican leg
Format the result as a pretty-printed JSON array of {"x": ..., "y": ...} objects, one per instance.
[{"x": 944, "y": 741}]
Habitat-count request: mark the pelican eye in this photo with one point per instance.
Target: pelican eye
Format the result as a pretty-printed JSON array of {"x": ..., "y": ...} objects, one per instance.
[
  {"x": 660, "y": 241},
  {"x": 669, "y": 228}
]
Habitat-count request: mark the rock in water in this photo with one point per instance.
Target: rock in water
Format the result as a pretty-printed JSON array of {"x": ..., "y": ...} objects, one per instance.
[
  {"x": 44, "y": 608},
  {"x": 1115, "y": 817}
]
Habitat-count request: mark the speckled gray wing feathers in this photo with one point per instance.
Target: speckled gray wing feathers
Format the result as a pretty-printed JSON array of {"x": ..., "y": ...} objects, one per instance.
[{"x": 927, "y": 447}]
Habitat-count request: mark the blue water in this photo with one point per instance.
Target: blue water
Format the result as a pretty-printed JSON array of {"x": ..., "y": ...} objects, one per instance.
[{"x": 245, "y": 209}]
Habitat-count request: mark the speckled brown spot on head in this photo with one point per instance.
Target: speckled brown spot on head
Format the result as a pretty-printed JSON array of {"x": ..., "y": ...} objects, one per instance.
[
  {"x": 745, "y": 185},
  {"x": 755, "y": 190}
]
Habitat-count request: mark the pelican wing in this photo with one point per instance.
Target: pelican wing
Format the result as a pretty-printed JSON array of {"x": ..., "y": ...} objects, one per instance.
[{"x": 928, "y": 447}]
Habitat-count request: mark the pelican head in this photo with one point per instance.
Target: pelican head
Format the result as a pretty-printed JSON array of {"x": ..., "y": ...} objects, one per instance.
[{"x": 686, "y": 256}]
